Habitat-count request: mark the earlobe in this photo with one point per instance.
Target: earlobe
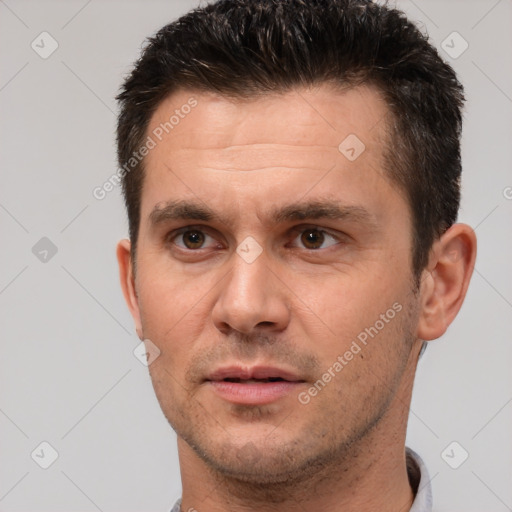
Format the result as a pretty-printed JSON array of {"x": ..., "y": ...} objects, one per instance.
[
  {"x": 127, "y": 278},
  {"x": 445, "y": 282}
]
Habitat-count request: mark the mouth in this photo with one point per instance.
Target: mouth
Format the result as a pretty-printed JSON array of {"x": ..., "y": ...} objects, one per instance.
[
  {"x": 253, "y": 386},
  {"x": 245, "y": 381}
]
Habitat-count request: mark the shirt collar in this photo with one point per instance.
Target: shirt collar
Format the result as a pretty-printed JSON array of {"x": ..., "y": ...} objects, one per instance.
[{"x": 416, "y": 468}]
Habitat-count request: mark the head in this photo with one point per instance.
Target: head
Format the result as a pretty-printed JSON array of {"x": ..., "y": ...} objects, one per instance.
[{"x": 299, "y": 208}]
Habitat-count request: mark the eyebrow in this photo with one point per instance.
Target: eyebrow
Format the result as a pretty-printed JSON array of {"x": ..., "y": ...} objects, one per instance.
[
  {"x": 177, "y": 210},
  {"x": 321, "y": 210},
  {"x": 318, "y": 209}
]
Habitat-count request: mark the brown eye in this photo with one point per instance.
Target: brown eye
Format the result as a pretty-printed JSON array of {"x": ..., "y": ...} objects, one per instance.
[
  {"x": 193, "y": 239},
  {"x": 312, "y": 238}
]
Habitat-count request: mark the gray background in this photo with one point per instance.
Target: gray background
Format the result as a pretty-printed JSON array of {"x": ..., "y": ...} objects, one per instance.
[{"x": 68, "y": 375}]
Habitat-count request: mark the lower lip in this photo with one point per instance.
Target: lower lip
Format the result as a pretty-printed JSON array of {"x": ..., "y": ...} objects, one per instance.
[{"x": 253, "y": 393}]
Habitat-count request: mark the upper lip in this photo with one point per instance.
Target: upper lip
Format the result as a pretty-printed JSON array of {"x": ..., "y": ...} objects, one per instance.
[{"x": 252, "y": 372}]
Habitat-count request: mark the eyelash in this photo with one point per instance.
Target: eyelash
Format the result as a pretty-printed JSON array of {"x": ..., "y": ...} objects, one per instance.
[{"x": 171, "y": 237}]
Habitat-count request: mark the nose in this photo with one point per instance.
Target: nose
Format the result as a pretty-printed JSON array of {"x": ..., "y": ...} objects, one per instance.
[{"x": 252, "y": 298}]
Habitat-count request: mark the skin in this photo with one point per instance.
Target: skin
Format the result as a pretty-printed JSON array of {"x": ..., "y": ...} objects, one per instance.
[{"x": 298, "y": 305}]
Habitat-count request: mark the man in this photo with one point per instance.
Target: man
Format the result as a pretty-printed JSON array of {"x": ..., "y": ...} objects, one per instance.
[{"x": 291, "y": 173}]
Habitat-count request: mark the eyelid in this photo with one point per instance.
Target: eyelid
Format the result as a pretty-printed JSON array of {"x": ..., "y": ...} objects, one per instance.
[
  {"x": 208, "y": 231},
  {"x": 298, "y": 230},
  {"x": 175, "y": 233},
  {"x": 304, "y": 227}
]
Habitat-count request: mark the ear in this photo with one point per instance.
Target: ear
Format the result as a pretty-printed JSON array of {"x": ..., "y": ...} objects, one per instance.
[
  {"x": 124, "y": 259},
  {"x": 445, "y": 281}
]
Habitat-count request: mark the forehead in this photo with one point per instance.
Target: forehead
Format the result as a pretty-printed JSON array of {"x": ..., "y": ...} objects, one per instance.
[
  {"x": 301, "y": 118},
  {"x": 249, "y": 152}
]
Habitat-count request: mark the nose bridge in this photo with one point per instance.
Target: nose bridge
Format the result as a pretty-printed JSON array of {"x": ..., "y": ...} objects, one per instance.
[
  {"x": 249, "y": 297},
  {"x": 249, "y": 280}
]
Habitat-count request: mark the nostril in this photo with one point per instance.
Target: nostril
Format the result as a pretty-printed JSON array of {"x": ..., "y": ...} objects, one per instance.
[{"x": 265, "y": 324}]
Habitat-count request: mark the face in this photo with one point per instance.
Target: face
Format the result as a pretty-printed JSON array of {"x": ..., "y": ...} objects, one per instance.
[{"x": 274, "y": 276}]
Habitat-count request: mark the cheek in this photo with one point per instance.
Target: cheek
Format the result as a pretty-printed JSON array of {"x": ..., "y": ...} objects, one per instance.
[
  {"x": 174, "y": 311},
  {"x": 367, "y": 359},
  {"x": 345, "y": 305},
  {"x": 361, "y": 335},
  {"x": 167, "y": 291}
]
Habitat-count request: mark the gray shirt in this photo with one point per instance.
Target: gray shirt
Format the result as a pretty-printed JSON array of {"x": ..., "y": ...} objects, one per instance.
[{"x": 418, "y": 477}]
